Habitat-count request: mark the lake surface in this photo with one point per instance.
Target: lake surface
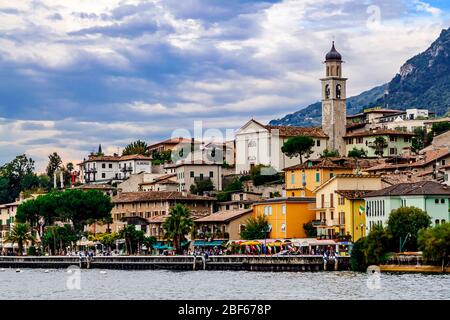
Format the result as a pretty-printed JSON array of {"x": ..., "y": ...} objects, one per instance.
[{"x": 162, "y": 284}]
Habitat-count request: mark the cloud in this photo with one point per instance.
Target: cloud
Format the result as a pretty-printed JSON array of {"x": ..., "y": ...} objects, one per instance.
[{"x": 76, "y": 74}]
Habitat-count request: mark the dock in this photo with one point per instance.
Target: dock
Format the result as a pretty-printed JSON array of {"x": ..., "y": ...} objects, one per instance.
[{"x": 187, "y": 263}]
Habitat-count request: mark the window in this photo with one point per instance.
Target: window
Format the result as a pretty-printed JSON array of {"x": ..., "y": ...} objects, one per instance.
[
  {"x": 443, "y": 162},
  {"x": 304, "y": 179},
  {"x": 442, "y": 200},
  {"x": 392, "y": 138},
  {"x": 331, "y": 200},
  {"x": 283, "y": 227},
  {"x": 110, "y": 165},
  {"x": 211, "y": 174},
  {"x": 393, "y": 151},
  {"x": 318, "y": 143},
  {"x": 103, "y": 175},
  {"x": 201, "y": 176},
  {"x": 283, "y": 209},
  {"x": 317, "y": 176},
  {"x": 342, "y": 218},
  {"x": 331, "y": 174},
  {"x": 293, "y": 194},
  {"x": 332, "y": 215},
  {"x": 407, "y": 139},
  {"x": 268, "y": 210},
  {"x": 103, "y": 165},
  {"x": 436, "y": 200},
  {"x": 359, "y": 140},
  {"x": 322, "y": 200},
  {"x": 292, "y": 178},
  {"x": 437, "y": 221}
]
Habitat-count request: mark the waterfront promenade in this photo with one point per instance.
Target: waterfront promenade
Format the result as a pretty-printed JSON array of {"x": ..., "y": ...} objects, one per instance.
[{"x": 226, "y": 262}]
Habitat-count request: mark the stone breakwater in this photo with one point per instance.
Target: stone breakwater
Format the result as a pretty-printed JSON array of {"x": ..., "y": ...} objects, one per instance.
[{"x": 231, "y": 262}]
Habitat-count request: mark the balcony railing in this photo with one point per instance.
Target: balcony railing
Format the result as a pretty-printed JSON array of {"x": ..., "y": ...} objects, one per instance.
[{"x": 317, "y": 223}]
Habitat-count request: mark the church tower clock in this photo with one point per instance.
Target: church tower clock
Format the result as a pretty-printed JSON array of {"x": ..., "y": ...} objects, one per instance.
[{"x": 334, "y": 115}]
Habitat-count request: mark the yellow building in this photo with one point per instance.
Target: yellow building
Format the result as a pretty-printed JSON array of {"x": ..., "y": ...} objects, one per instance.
[
  {"x": 302, "y": 179},
  {"x": 352, "y": 204},
  {"x": 286, "y": 216},
  {"x": 336, "y": 217}
]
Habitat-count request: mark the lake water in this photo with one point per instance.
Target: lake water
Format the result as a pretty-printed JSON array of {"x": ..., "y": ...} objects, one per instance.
[{"x": 161, "y": 284}]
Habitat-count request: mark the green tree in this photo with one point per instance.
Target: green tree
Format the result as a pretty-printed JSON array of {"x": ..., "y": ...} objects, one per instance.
[
  {"x": 20, "y": 233},
  {"x": 357, "y": 153},
  {"x": 262, "y": 174},
  {"x": 225, "y": 194},
  {"x": 177, "y": 225},
  {"x": 440, "y": 127},
  {"x": 78, "y": 206},
  {"x": 14, "y": 176},
  {"x": 201, "y": 186},
  {"x": 330, "y": 153},
  {"x": 299, "y": 146},
  {"x": 161, "y": 157},
  {"x": 407, "y": 220},
  {"x": 435, "y": 243},
  {"x": 133, "y": 238},
  {"x": 419, "y": 141},
  {"x": 54, "y": 163},
  {"x": 371, "y": 250},
  {"x": 310, "y": 230},
  {"x": 149, "y": 242},
  {"x": 379, "y": 144},
  {"x": 255, "y": 228},
  {"x": 136, "y": 147},
  {"x": 59, "y": 238}
]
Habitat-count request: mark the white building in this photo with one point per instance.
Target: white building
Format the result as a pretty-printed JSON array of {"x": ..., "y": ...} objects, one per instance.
[
  {"x": 261, "y": 144},
  {"x": 101, "y": 169},
  {"x": 187, "y": 173}
]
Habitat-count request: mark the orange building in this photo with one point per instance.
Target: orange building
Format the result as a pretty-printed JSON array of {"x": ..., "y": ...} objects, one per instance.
[
  {"x": 302, "y": 179},
  {"x": 286, "y": 216}
]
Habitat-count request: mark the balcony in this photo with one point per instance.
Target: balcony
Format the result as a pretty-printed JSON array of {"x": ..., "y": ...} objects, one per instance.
[{"x": 319, "y": 223}]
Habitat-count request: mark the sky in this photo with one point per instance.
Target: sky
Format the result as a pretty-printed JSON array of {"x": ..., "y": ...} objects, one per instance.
[{"x": 76, "y": 74}]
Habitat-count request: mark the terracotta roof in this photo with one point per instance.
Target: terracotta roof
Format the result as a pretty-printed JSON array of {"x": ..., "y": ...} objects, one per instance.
[
  {"x": 192, "y": 163},
  {"x": 386, "y": 132},
  {"x": 143, "y": 196},
  {"x": 160, "y": 180},
  {"x": 95, "y": 187},
  {"x": 288, "y": 199},
  {"x": 116, "y": 158},
  {"x": 416, "y": 188},
  {"x": 135, "y": 157},
  {"x": 428, "y": 157},
  {"x": 290, "y": 131},
  {"x": 224, "y": 216},
  {"x": 172, "y": 141},
  {"x": 353, "y": 194},
  {"x": 335, "y": 163}
]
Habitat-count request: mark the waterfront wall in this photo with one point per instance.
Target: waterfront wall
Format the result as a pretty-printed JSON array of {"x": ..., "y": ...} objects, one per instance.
[{"x": 232, "y": 262}]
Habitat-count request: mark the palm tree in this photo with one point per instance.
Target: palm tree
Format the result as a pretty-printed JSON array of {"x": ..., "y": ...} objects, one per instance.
[
  {"x": 177, "y": 225},
  {"x": 20, "y": 233}
]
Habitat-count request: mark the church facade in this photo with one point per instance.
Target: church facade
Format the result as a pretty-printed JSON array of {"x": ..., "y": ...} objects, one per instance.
[{"x": 257, "y": 143}]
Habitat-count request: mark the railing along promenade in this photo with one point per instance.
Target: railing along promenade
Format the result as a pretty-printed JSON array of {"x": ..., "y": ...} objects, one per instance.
[{"x": 223, "y": 262}]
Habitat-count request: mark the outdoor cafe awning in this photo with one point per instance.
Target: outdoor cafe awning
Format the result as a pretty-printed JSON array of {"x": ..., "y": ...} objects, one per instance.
[{"x": 214, "y": 243}]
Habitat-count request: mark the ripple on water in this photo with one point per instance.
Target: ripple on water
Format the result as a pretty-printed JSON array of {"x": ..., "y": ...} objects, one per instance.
[{"x": 164, "y": 284}]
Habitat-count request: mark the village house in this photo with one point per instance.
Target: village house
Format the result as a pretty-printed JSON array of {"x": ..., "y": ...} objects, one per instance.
[
  {"x": 223, "y": 225},
  {"x": 240, "y": 200},
  {"x": 338, "y": 203},
  {"x": 187, "y": 173},
  {"x": 430, "y": 196},
  {"x": 107, "y": 169},
  {"x": 148, "y": 210},
  {"x": 286, "y": 216},
  {"x": 397, "y": 142},
  {"x": 170, "y": 144}
]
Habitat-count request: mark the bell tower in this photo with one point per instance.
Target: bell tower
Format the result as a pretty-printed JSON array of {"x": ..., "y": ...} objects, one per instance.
[{"x": 334, "y": 115}]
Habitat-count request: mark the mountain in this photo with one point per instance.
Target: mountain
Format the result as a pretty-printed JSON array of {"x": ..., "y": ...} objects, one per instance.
[{"x": 423, "y": 82}]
